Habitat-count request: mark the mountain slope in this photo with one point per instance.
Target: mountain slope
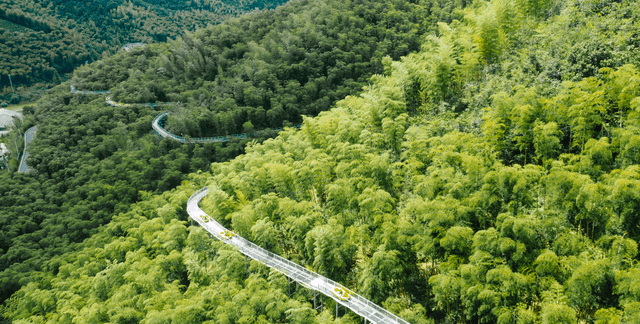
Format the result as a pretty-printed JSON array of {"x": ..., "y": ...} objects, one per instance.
[
  {"x": 55, "y": 37},
  {"x": 487, "y": 178},
  {"x": 90, "y": 160}
]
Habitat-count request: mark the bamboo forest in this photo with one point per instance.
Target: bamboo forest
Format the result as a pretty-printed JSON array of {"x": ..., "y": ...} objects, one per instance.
[{"x": 328, "y": 162}]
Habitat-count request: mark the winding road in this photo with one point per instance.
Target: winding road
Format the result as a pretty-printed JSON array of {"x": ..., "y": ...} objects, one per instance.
[
  {"x": 307, "y": 278},
  {"x": 157, "y": 121},
  {"x": 28, "y": 137},
  {"x": 157, "y": 127}
]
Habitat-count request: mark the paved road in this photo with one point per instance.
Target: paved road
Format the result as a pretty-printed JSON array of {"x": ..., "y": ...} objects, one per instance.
[
  {"x": 158, "y": 119},
  {"x": 155, "y": 124},
  {"x": 307, "y": 278},
  {"x": 29, "y": 135}
]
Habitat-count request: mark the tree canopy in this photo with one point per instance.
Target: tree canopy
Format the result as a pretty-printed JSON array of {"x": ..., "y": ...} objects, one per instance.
[
  {"x": 44, "y": 40},
  {"x": 490, "y": 177},
  {"x": 91, "y": 161}
]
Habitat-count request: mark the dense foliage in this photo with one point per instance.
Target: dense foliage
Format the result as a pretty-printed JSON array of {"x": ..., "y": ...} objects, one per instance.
[
  {"x": 101, "y": 159},
  {"x": 268, "y": 69},
  {"x": 92, "y": 161},
  {"x": 42, "y": 40},
  {"x": 152, "y": 276},
  {"x": 492, "y": 177}
]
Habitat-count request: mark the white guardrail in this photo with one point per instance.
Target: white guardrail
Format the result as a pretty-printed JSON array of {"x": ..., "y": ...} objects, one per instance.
[
  {"x": 164, "y": 133},
  {"x": 306, "y": 277},
  {"x": 155, "y": 124}
]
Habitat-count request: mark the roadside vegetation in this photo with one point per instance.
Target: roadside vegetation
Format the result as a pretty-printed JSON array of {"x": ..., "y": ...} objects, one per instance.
[{"x": 492, "y": 176}]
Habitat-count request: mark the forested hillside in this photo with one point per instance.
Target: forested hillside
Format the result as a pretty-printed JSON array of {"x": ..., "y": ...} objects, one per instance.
[
  {"x": 268, "y": 69},
  {"x": 43, "y": 40},
  {"x": 491, "y": 177},
  {"x": 92, "y": 161}
]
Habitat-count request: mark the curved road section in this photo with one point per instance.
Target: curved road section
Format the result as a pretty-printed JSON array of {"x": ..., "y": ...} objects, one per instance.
[
  {"x": 157, "y": 127},
  {"x": 162, "y": 132},
  {"x": 156, "y": 123},
  {"x": 307, "y": 278},
  {"x": 29, "y": 135}
]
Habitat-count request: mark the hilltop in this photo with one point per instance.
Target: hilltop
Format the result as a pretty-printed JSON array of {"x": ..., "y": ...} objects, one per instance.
[{"x": 45, "y": 40}]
